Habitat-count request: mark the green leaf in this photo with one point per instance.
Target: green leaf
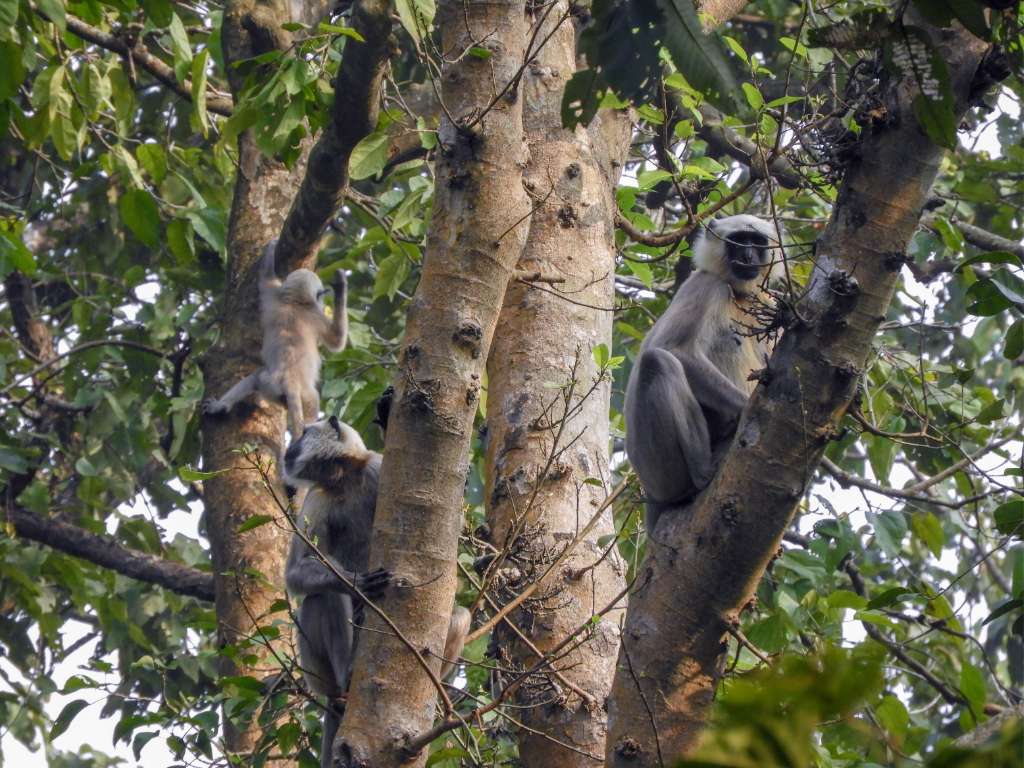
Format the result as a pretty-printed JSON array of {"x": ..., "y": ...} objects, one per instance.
[
  {"x": 189, "y": 475},
  {"x": 1014, "y": 346},
  {"x": 334, "y": 29},
  {"x": 699, "y": 57},
  {"x": 140, "y": 213},
  {"x": 990, "y": 257},
  {"x": 67, "y": 714},
  {"x": 928, "y": 529},
  {"x": 54, "y": 11},
  {"x": 153, "y": 160},
  {"x": 255, "y": 522},
  {"x": 889, "y": 597},
  {"x": 1004, "y": 609},
  {"x": 12, "y": 70},
  {"x": 181, "y": 242},
  {"x": 1009, "y": 517},
  {"x": 369, "y": 156},
  {"x": 893, "y": 716},
  {"x": 181, "y": 48},
  {"x": 754, "y": 97},
  {"x": 581, "y": 98},
  {"x": 417, "y": 17},
  {"x": 391, "y": 273},
  {"x": 12, "y": 461},
  {"x": 972, "y": 686},
  {"x": 201, "y": 119},
  {"x": 8, "y": 13}
]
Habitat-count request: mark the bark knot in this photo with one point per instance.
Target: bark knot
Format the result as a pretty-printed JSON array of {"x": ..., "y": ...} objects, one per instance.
[
  {"x": 470, "y": 336},
  {"x": 628, "y": 748}
]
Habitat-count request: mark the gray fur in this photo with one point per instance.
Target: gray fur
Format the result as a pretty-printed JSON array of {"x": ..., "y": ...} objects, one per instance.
[
  {"x": 294, "y": 325},
  {"x": 342, "y": 476},
  {"x": 689, "y": 384}
]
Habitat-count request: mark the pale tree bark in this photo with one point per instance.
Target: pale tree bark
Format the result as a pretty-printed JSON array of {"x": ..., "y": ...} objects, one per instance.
[
  {"x": 476, "y": 237},
  {"x": 704, "y": 562},
  {"x": 543, "y": 443},
  {"x": 264, "y": 190}
]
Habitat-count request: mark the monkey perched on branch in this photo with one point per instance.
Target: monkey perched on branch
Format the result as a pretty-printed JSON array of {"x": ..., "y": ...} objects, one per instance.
[
  {"x": 294, "y": 325},
  {"x": 689, "y": 385}
]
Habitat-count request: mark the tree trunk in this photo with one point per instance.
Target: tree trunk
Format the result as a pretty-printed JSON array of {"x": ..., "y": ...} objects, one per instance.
[
  {"x": 264, "y": 190},
  {"x": 704, "y": 563},
  {"x": 538, "y": 455},
  {"x": 476, "y": 238}
]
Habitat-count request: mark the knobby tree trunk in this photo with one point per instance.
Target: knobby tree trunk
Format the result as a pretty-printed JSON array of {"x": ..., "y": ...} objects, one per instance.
[
  {"x": 264, "y": 190},
  {"x": 543, "y": 443},
  {"x": 476, "y": 237},
  {"x": 704, "y": 562}
]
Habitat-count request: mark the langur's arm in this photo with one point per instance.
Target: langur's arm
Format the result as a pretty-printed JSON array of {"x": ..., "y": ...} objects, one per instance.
[
  {"x": 233, "y": 396},
  {"x": 713, "y": 389},
  {"x": 268, "y": 269},
  {"x": 336, "y": 333},
  {"x": 305, "y": 574}
]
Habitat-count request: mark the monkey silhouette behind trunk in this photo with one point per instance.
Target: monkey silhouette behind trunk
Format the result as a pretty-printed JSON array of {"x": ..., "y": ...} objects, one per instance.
[
  {"x": 690, "y": 382},
  {"x": 294, "y": 325},
  {"x": 342, "y": 476}
]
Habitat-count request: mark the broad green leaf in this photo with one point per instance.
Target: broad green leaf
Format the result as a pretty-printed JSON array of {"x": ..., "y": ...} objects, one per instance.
[
  {"x": 190, "y": 475},
  {"x": 928, "y": 529},
  {"x": 391, "y": 273},
  {"x": 181, "y": 47},
  {"x": 67, "y": 714},
  {"x": 893, "y": 716},
  {"x": 990, "y": 257},
  {"x": 754, "y": 98},
  {"x": 54, "y": 11},
  {"x": 141, "y": 214},
  {"x": 1014, "y": 346},
  {"x": 1009, "y": 517},
  {"x": 1005, "y": 608},
  {"x": 153, "y": 159},
  {"x": 12, "y": 71},
  {"x": 369, "y": 156},
  {"x": 698, "y": 56},
  {"x": 8, "y": 13},
  {"x": 334, "y": 29}
]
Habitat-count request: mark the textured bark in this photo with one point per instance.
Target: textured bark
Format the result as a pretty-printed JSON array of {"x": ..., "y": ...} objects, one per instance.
[
  {"x": 476, "y": 238},
  {"x": 703, "y": 563},
  {"x": 539, "y": 339},
  {"x": 264, "y": 189}
]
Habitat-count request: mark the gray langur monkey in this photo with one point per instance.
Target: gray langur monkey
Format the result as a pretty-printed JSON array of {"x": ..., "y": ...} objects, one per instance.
[
  {"x": 689, "y": 385},
  {"x": 342, "y": 476},
  {"x": 294, "y": 325}
]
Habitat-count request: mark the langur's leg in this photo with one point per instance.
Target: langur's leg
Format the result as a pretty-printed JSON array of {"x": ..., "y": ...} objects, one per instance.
[
  {"x": 296, "y": 419},
  {"x": 458, "y": 628},
  {"x": 330, "y": 730},
  {"x": 667, "y": 434},
  {"x": 241, "y": 390},
  {"x": 310, "y": 405}
]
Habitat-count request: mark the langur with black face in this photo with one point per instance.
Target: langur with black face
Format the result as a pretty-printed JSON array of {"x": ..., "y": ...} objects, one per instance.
[
  {"x": 689, "y": 385},
  {"x": 331, "y": 459},
  {"x": 294, "y": 325}
]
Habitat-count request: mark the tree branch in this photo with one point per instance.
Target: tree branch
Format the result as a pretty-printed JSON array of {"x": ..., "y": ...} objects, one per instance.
[
  {"x": 723, "y": 140},
  {"x": 982, "y": 238},
  {"x": 357, "y": 89},
  {"x": 142, "y": 57},
  {"x": 107, "y": 553}
]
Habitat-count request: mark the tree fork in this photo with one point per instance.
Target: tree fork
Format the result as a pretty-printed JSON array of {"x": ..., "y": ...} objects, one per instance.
[
  {"x": 476, "y": 237},
  {"x": 704, "y": 562}
]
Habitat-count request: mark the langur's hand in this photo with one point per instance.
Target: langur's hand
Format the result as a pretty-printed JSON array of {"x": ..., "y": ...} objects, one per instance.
[
  {"x": 373, "y": 583},
  {"x": 339, "y": 282}
]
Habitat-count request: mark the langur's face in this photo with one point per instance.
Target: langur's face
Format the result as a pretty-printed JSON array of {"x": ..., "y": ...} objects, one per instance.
[{"x": 747, "y": 249}]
